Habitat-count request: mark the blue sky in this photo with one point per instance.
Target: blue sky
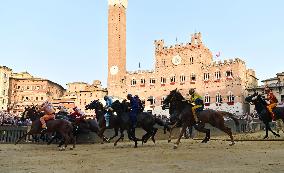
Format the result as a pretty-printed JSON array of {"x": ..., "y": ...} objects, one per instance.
[{"x": 66, "y": 40}]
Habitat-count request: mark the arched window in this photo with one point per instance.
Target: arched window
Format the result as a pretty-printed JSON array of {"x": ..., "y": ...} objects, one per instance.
[
  {"x": 173, "y": 79},
  {"x": 231, "y": 98},
  {"x": 229, "y": 74},
  {"x": 182, "y": 78},
  {"x": 163, "y": 80},
  {"x": 207, "y": 98},
  {"x": 152, "y": 81},
  {"x": 206, "y": 76},
  {"x": 217, "y": 75},
  {"x": 218, "y": 98},
  {"x": 133, "y": 82},
  {"x": 142, "y": 81}
]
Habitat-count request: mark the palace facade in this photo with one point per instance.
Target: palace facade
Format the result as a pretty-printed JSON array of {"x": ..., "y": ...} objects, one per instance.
[
  {"x": 26, "y": 90},
  {"x": 183, "y": 66}
]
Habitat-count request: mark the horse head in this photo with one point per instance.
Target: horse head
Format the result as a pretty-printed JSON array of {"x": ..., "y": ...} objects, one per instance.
[
  {"x": 252, "y": 98},
  {"x": 31, "y": 113},
  {"x": 173, "y": 98},
  {"x": 92, "y": 105}
]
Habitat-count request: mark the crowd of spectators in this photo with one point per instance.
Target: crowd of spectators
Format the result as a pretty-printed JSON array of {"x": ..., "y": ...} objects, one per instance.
[{"x": 10, "y": 119}]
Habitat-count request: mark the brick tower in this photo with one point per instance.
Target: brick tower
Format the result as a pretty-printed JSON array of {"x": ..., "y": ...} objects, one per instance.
[{"x": 116, "y": 46}]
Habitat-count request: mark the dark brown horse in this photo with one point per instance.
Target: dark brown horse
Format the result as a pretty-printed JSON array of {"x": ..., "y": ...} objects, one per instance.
[
  {"x": 182, "y": 112},
  {"x": 63, "y": 127}
]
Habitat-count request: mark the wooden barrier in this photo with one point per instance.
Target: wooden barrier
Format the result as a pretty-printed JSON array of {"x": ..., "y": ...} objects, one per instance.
[{"x": 9, "y": 134}]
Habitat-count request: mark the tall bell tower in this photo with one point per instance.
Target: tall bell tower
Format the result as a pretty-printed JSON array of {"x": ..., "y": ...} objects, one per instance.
[{"x": 116, "y": 46}]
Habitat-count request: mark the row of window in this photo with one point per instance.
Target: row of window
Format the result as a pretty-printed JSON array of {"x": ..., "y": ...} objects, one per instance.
[
  {"x": 28, "y": 87},
  {"x": 229, "y": 74},
  {"x": 32, "y": 98},
  {"x": 207, "y": 99},
  {"x": 219, "y": 99}
]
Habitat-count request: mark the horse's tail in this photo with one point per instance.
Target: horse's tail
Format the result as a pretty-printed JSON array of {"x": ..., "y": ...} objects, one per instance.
[
  {"x": 160, "y": 122},
  {"x": 232, "y": 116}
]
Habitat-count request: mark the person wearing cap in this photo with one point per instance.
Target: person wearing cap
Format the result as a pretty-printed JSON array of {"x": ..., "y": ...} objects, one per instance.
[
  {"x": 49, "y": 114},
  {"x": 197, "y": 101},
  {"x": 271, "y": 101},
  {"x": 107, "y": 107}
]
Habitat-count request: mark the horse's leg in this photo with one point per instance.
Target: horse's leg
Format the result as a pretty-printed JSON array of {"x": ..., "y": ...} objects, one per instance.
[
  {"x": 275, "y": 134},
  {"x": 229, "y": 132},
  {"x": 115, "y": 134},
  {"x": 121, "y": 137},
  {"x": 171, "y": 130},
  {"x": 266, "y": 130},
  {"x": 180, "y": 135},
  {"x": 201, "y": 128},
  {"x": 153, "y": 135},
  {"x": 73, "y": 140},
  {"x": 51, "y": 140}
]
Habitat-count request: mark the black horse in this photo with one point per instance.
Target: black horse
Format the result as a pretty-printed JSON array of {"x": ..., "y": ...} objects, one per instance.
[
  {"x": 181, "y": 114},
  {"x": 264, "y": 115},
  {"x": 121, "y": 121}
]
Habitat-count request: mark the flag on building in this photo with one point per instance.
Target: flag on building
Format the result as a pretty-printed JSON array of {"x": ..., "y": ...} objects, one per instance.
[{"x": 218, "y": 54}]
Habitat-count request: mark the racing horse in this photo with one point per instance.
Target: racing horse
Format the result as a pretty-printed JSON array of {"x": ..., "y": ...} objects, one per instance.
[
  {"x": 63, "y": 127},
  {"x": 183, "y": 115},
  {"x": 264, "y": 115}
]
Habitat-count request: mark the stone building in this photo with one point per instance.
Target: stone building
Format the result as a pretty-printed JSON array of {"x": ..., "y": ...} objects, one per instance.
[
  {"x": 80, "y": 94},
  {"x": 24, "y": 90},
  {"x": 276, "y": 84},
  {"x": 5, "y": 74},
  {"x": 182, "y": 66}
]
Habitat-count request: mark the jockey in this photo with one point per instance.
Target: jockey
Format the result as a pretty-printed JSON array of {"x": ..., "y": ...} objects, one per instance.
[
  {"x": 108, "y": 109},
  {"x": 49, "y": 114},
  {"x": 272, "y": 101},
  {"x": 78, "y": 116},
  {"x": 134, "y": 110},
  {"x": 197, "y": 101}
]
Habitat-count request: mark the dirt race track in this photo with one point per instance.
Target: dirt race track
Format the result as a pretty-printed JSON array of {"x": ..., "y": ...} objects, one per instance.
[{"x": 191, "y": 156}]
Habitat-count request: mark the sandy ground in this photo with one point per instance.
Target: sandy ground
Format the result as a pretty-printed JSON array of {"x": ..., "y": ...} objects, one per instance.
[{"x": 191, "y": 156}]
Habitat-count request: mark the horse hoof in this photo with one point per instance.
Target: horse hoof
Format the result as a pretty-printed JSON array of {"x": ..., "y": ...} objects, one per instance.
[
  {"x": 169, "y": 140},
  {"x": 135, "y": 146},
  {"x": 175, "y": 146},
  {"x": 115, "y": 144},
  {"x": 233, "y": 143},
  {"x": 277, "y": 135},
  {"x": 265, "y": 137},
  {"x": 71, "y": 148},
  {"x": 62, "y": 149}
]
